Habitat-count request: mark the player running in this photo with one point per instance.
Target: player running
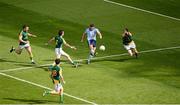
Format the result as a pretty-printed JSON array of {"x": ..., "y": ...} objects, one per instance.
[
  {"x": 59, "y": 40},
  {"x": 56, "y": 76},
  {"x": 24, "y": 43},
  {"x": 128, "y": 43},
  {"x": 91, "y": 33}
]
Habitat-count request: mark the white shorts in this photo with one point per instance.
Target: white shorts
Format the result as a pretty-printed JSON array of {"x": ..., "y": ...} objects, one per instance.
[
  {"x": 59, "y": 52},
  {"x": 130, "y": 46},
  {"x": 58, "y": 87},
  {"x": 24, "y": 46}
]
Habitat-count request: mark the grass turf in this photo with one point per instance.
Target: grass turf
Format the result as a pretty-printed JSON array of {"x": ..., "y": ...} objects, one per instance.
[{"x": 153, "y": 78}]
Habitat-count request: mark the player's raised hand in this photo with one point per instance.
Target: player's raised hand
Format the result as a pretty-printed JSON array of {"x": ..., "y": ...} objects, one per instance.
[{"x": 34, "y": 36}]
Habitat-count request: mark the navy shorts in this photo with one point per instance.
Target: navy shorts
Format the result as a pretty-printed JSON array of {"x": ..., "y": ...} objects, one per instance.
[{"x": 92, "y": 42}]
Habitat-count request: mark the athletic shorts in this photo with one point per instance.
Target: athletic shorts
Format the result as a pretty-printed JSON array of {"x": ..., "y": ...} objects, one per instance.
[
  {"x": 92, "y": 42},
  {"x": 58, "y": 87},
  {"x": 131, "y": 45},
  {"x": 59, "y": 52},
  {"x": 24, "y": 46}
]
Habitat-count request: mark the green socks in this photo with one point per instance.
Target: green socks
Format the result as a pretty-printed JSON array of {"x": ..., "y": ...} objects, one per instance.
[{"x": 61, "y": 98}]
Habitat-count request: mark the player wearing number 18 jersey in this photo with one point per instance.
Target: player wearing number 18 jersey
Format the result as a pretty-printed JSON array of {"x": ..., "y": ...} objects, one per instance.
[
  {"x": 91, "y": 33},
  {"x": 56, "y": 76}
]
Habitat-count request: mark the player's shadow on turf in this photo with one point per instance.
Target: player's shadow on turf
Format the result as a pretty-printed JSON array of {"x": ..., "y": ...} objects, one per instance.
[
  {"x": 113, "y": 60},
  {"x": 54, "y": 59},
  {"x": 25, "y": 65},
  {"x": 31, "y": 101},
  {"x": 10, "y": 61},
  {"x": 45, "y": 68}
]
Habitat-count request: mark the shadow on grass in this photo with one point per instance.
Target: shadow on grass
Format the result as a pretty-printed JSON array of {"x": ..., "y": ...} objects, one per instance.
[
  {"x": 114, "y": 59},
  {"x": 9, "y": 61},
  {"x": 30, "y": 101},
  {"x": 161, "y": 67}
]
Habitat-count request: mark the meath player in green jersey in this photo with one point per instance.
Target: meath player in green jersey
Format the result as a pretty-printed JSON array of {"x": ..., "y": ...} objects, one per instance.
[
  {"x": 59, "y": 40},
  {"x": 56, "y": 76},
  {"x": 24, "y": 43},
  {"x": 128, "y": 43}
]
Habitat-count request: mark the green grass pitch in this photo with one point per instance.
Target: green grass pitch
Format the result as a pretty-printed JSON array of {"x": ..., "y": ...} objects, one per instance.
[{"x": 153, "y": 78}]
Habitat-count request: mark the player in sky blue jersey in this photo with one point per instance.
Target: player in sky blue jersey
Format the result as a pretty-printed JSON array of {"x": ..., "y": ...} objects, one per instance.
[{"x": 91, "y": 32}]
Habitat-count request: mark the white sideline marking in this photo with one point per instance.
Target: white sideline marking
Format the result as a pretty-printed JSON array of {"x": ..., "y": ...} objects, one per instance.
[
  {"x": 109, "y": 56},
  {"x": 22, "y": 68},
  {"x": 139, "y": 9},
  {"x": 41, "y": 86},
  {"x": 16, "y": 69},
  {"x": 145, "y": 51}
]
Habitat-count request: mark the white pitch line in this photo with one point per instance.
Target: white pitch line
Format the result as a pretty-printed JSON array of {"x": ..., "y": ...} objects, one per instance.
[
  {"x": 109, "y": 56},
  {"x": 139, "y": 9},
  {"x": 145, "y": 51},
  {"x": 22, "y": 68},
  {"x": 41, "y": 86}
]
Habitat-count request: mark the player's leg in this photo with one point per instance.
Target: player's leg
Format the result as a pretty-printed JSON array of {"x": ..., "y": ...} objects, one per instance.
[
  {"x": 133, "y": 47},
  {"x": 94, "y": 47},
  {"x": 57, "y": 53},
  {"x": 91, "y": 45},
  {"x": 68, "y": 57},
  {"x": 58, "y": 91},
  {"x": 92, "y": 51},
  {"x": 56, "y": 88},
  {"x": 130, "y": 52},
  {"x": 29, "y": 50},
  {"x": 135, "y": 52},
  {"x": 127, "y": 47},
  {"x": 12, "y": 49},
  {"x": 61, "y": 95},
  {"x": 17, "y": 50}
]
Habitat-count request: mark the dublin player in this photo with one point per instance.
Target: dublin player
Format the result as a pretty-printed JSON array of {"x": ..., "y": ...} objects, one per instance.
[{"x": 91, "y": 33}]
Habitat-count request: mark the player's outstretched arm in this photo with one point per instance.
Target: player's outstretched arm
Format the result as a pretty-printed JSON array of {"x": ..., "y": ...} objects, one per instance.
[
  {"x": 31, "y": 35},
  {"x": 130, "y": 33},
  {"x": 99, "y": 33},
  {"x": 83, "y": 37},
  {"x": 50, "y": 41},
  {"x": 72, "y": 47},
  {"x": 62, "y": 78},
  {"x": 66, "y": 44}
]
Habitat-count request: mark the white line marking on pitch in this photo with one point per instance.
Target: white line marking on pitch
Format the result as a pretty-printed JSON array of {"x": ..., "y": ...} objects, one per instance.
[
  {"x": 41, "y": 86},
  {"x": 145, "y": 51},
  {"x": 109, "y": 56},
  {"x": 139, "y": 9}
]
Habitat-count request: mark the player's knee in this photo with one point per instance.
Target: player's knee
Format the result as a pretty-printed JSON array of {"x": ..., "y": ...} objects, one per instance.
[
  {"x": 68, "y": 56},
  {"x": 18, "y": 52},
  {"x": 130, "y": 52},
  {"x": 31, "y": 55},
  {"x": 61, "y": 91}
]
